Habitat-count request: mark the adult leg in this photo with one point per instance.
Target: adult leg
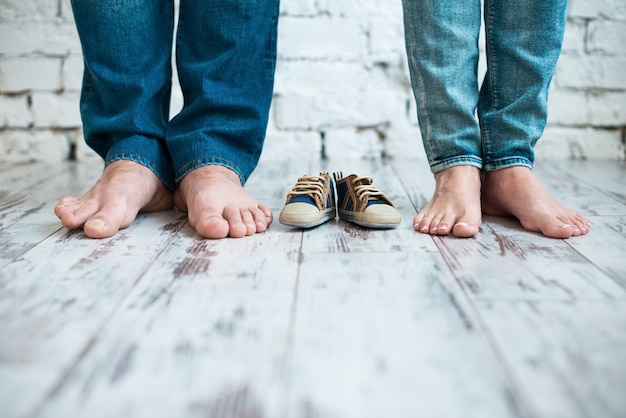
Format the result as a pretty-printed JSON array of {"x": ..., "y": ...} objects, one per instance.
[
  {"x": 226, "y": 56},
  {"x": 124, "y": 107},
  {"x": 442, "y": 47},
  {"x": 523, "y": 45}
]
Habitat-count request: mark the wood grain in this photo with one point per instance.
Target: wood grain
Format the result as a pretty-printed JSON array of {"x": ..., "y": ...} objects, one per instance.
[{"x": 336, "y": 321}]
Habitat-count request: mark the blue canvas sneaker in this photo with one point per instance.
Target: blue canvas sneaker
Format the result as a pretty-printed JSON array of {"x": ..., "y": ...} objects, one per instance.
[
  {"x": 360, "y": 202},
  {"x": 310, "y": 203}
]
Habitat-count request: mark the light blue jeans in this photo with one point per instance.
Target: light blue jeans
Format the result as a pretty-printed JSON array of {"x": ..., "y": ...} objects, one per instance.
[
  {"x": 498, "y": 125},
  {"x": 226, "y": 56}
]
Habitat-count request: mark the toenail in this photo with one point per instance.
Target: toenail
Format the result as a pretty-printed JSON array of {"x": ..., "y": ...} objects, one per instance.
[
  {"x": 461, "y": 224},
  {"x": 96, "y": 223},
  {"x": 424, "y": 229},
  {"x": 565, "y": 226}
]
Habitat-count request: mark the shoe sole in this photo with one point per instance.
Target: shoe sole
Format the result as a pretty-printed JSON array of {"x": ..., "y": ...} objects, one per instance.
[
  {"x": 329, "y": 215},
  {"x": 375, "y": 225}
]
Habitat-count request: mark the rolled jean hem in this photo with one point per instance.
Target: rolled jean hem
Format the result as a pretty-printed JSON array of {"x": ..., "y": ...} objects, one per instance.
[
  {"x": 168, "y": 182},
  {"x": 202, "y": 162},
  {"x": 507, "y": 163},
  {"x": 455, "y": 162}
]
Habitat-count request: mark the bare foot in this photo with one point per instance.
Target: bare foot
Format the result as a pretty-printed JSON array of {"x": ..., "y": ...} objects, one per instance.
[
  {"x": 218, "y": 205},
  {"x": 518, "y": 192},
  {"x": 124, "y": 189},
  {"x": 455, "y": 205}
]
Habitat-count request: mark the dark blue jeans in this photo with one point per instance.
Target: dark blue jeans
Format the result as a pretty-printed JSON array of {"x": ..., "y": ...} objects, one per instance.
[{"x": 225, "y": 57}]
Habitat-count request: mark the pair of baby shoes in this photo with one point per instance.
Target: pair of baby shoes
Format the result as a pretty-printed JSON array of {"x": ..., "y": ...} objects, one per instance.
[{"x": 312, "y": 202}]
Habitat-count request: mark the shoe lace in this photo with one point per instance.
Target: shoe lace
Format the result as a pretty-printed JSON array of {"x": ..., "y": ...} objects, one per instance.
[
  {"x": 364, "y": 189},
  {"x": 310, "y": 186}
]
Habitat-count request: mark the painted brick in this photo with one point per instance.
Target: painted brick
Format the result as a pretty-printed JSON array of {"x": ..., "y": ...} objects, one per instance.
[
  {"x": 404, "y": 142},
  {"x": 81, "y": 149},
  {"x": 322, "y": 78},
  {"x": 65, "y": 10},
  {"x": 341, "y": 70},
  {"x": 608, "y": 9},
  {"x": 56, "y": 110},
  {"x": 298, "y": 145},
  {"x": 575, "y": 144},
  {"x": 352, "y": 144},
  {"x": 298, "y": 8},
  {"x": 321, "y": 39},
  {"x": 28, "y": 10},
  {"x": 574, "y": 37},
  {"x": 590, "y": 72},
  {"x": 15, "y": 112},
  {"x": 24, "y": 146},
  {"x": 73, "y": 73},
  {"x": 568, "y": 108},
  {"x": 19, "y": 74},
  {"x": 319, "y": 112},
  {"x": 386, "y": 35},
  {"x": 360, "y": 8},
  {"x": 607, "y": 37},
  {"x": 608, "y": 108},
  {"x": 43, "y": 38}
]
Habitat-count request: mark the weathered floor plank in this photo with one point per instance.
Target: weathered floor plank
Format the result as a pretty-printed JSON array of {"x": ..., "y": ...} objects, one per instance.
[
  {"x": 55, "y": 299},
  {"x": 337, "y": 321},
  {"x": 566, "y": 358},
  {"x": 203, "y": 329},
  {"x": 381, "y": 334},
  {"x": 27, "y": 202}
]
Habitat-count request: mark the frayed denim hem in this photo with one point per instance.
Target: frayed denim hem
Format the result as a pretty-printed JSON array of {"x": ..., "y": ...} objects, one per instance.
[
  {"x": 456, "y": 161},
  {"x": 507, "y": 163}
]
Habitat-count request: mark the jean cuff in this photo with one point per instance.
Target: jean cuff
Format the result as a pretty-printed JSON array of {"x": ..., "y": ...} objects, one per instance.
[
  {"x": 456, "y": 161},
  {"x": 508, "y": 162}
]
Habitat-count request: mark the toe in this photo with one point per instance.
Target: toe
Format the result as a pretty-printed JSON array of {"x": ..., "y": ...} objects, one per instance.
[
  {"x": 236, "y": 226},
  {"x": 422, "y": 223},
  {"x": 77, "y": 213},
  {"x": 558, "y": 229},
  {"x": 435, "y": 223},
  {"x": 100, "y": 228},
  {"x": 582, "y": 223},
  {"x": 267, "y": 213},
  {"x": 248, "y": 221},
  {"x": 444, "y": 227},
  {"x": 212, "y": 227},
  {"x": 417, "y": 221},
  {"x": 465, "y": 229},
  {"x": 261, "y": 220}
]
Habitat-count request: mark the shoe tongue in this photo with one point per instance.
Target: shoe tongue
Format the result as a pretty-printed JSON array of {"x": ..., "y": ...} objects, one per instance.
[
  {"x": 371, "y": 199},
  {"x": 303, "y": 198}
]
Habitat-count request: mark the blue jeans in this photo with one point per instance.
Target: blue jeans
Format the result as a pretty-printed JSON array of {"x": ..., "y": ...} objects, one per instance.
[
  {"x": 498, "y": 125},
  {"x": 225, "y": 57}
]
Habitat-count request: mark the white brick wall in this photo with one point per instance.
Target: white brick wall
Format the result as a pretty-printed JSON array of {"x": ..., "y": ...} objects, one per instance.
[{"x": 342, "y": 85}]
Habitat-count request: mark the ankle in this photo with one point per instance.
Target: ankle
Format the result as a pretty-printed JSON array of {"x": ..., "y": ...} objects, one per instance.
[{"x": 212, "y": 173}]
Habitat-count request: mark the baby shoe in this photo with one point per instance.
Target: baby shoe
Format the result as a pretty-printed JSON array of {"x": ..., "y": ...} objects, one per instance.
[
  {"x": 360, "y": 202},
  {"x": 311, "y": 202}
]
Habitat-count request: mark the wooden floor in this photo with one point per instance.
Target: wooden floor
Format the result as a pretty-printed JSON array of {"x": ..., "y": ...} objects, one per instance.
[{"x": 337, "y": 321}]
